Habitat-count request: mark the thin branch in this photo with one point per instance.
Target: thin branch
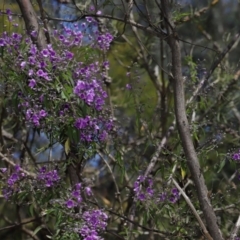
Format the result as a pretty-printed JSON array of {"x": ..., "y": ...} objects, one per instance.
[
  {"x": 4, "y": 158},
  {"x": 183, "y": 123},
  {"x": 213, "y": 67},
  {"x": 158, "y": 151},
  {"x": 235, "y": 230},
  {"x": 195, "y": 213},
  {"x": 31, "y": 22},
  {"x": 19, "y": 224},
  {"x": 114, "y": 180}
]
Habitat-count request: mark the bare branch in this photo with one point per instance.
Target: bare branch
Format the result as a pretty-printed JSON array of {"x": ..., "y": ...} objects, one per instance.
[
  {"x": 183, "y": 125},
  {"x": 31, "y": 22},
  {"x": 235, "y": 230},
  {"x": 205, "y": 231}
]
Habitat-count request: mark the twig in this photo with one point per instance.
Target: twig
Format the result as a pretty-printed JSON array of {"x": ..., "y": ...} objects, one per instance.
[
  {"x": 19, "y": 224},
  {"x": 235, "y": 230},
  {"x": 195, "y": 213},
  {"x": 4, "y": 158},
  {"x": 114, "y": 180}
]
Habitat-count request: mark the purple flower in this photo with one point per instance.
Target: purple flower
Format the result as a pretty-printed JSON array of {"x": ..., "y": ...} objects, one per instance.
[
  {"x": 3, "y": 170},
  {"x": 78, "y": 186},
  {"x": 33, "y": 33},
  {"x": 8, "y": 11},
  {"x": 33, "y": 49},
  {"x": 23, "y": 64},
  {"x": 70, "y": 203},
  {"x": 28, "y": 114},
  {"x": 128, "y": 86},
  {"x": 76, "y": 193},
  {"x": 35, "y": 119},
  {"x": 81, "y": 123},
  {"x": 7, "y": 193},
  {"x": 17, "y": 168},
  {"x": 13, "y": 178},
  {"x": 173, "y": 199},
  {"x": 30, "y": 72},
  {"x": 43, "y": 169},
  {"x": 79, "y": 87},
  {"x": 103, "y": 136},
  {"x": 91, "y": 8},
  {"x": 41, "y": 98},
  {"x": 40, "y": 73},
  {"x": 162, "y": 196},
  {"x": 42, "y": 113},
  {"x": 150, "y": 191},
  {"x": 90, "y": 96},
  {"x": 69, "y": 55},
  {"x": 88, "y": 191},
  {"x": 96, "y": 219},
  {"x": 175, "y": 192},
  {"x": 236, "y": 156},
  {"x": 45, "y": 52},
  {"x": 141, "y": 197},
  {"x": 2, "y": 42},
  {"x": 32, "y": 83},
  {"x": 42, "y": 64},
  {"x": 32, "y": 60},
  {"x": 48, "y": 178},
  {"x": 17, "y": 37},
  {"x": 89, "y": 19},
  {"x": 175, "y": 196}
]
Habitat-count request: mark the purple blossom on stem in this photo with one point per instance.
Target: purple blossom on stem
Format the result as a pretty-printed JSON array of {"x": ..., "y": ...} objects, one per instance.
[
  {"x": 143, "y": 188},
  {"x": 23, "y": 64},
  {"x": 70, "y": 203},
  {"x": 162, "y": 196},
  {"x": 2, "y": 42},
  {"x": 128, "y": 87},
  {"x": 236, "y": 156},
  {"x": 88, "y": 191},
  {"x": 45, "y": 53},
  {"x": 32, "y": 83},
  {"x": 14, "y": 178},
  {"x": 95, "y": 219},
  {"x": 3, "y": 170},
  {"x": 48, "y": 178}
]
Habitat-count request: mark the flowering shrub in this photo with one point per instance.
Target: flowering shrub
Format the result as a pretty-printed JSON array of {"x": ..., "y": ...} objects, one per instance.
[
  {"x": 59, "y": 90},
  {"x": 54, "y": 83}
]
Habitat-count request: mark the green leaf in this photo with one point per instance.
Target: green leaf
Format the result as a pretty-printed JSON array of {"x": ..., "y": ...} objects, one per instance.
[
  {"x": 222, "y": 164},
  {"x": 67, "y": 146},
  {"x": 37, "y": 230}
]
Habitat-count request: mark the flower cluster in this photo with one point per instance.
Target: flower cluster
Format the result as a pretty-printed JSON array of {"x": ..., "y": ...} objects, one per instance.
[
  {"x": 48, "y": 178},
  {"x": 12, "y": 181},
  {"x": 35, "y": 116},
  {"x": 173, "y": 196},
  {"x": 54, "y": 85},
  {"x": 76, "y": 195},
  {"x": 143, "y": 189},
  {"x": 104, "y": 41},
  {"x": 88, "y": 88},
  {"x": 94, "y": 222},
  {"x": 93, "y": 129}
]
